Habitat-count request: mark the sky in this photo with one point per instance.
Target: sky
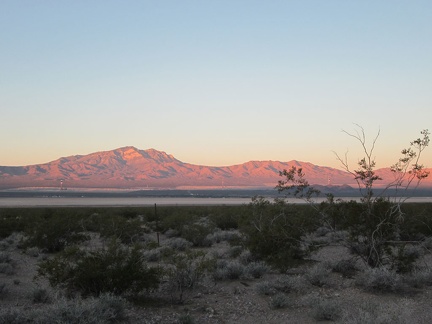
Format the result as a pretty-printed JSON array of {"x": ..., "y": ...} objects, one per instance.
[{"x": 214, "y": 83}]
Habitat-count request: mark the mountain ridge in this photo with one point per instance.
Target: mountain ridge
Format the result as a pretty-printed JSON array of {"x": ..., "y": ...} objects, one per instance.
[{"x": 130, "y": 168}]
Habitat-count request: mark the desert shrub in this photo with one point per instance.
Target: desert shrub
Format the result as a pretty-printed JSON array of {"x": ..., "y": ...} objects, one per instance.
[
  {"x": 419, "y": 278},
  {"x": 345, "y": 267},
  {"x": 273, "y": 232},
  {"x": 326, "y": 310},
  {"x": 279, "y": 301},
  {"x": 3, "y": 290},
  {"x": 178, "y": 219},
  {"x": 171, "y": 233},
  {"x": 228, "y": 270},
  {"x": 41, "y": 296},
  {"x": 256, "y": 269},
  {"x": 379, "y": 280},
  {"x": 5, "y": 257},
  {"x": 127, "y": 230},
  {"x": 10, "y": 223},
  {"x": 152, "y": 255},
  {"x": 225, "y": 220},
  {"x": 265, "y": 288},
  {"x": 12, "y": 316},
  {"x": 374, "y": 313},
  {"x": 184, "y": 272},
  {"x": 185, "y": 319},
  {"x": 402, "y": 261},
  {"x": 235, "y": 251},
  {"x": 105, "y": 309},
  {"x": 318, "y": 275},
  {"x": 245, "y": 257},
  {"x": 179, "y": 244},
  {"x": 7, "y": 269},
  {"x": 197, "y": 233},
  {"x": 115, "y": 269},
  {"x": 33, "y": 252},
  {"x": 219, "y": 236},
  {"x": 54, "y": 232}
]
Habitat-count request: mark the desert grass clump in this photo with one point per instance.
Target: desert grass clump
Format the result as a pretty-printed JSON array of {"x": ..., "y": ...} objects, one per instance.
[
  {"x": 287, "y": 284},
  {"x": 256, "y": 269},
  {"x": 279, "y": 301},
  {"x": 318, "y": 275},
  {"x": 380, "y": 280},
  {"x": 265, "y": 288},
  {"x": 327, "y": 310},
  {"x": 105, "y": 309},
  {"x": 230, "y": 270},
  {"x": 370, "y": 312}
]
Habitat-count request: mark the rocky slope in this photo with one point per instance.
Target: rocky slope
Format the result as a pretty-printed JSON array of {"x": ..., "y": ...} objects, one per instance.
[{"x": 129, "y": 167}]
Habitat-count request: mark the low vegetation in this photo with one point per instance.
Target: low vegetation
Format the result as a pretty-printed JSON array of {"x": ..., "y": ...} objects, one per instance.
[{"x": 102, "y": 265}]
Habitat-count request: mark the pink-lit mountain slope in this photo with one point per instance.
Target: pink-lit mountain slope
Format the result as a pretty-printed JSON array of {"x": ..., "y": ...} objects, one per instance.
[{"x": 129, "y": 167}]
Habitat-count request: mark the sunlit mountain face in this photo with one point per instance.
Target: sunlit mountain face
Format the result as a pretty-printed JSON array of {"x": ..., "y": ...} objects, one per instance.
[{"x": 131, "y": 168}]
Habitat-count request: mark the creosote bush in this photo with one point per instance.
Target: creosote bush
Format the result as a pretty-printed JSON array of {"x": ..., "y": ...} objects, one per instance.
[
  {"x": 274, "y": 231},
  {"x": 115, "y": 269}
]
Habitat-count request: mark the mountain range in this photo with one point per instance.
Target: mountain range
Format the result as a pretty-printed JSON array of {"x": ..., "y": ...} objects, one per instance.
[{"x": 132, "y": 168}]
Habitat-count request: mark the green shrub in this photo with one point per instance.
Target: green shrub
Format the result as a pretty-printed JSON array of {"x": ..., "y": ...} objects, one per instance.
[
  {"x": 198, "y": 234},
  {"x": 274, "y": 231},
  {"x": 225, "y": 219},
  {"x": 54, "y": 232},
  {"x": 127, "y": 230},
  {"x": 115, "y": 269}
]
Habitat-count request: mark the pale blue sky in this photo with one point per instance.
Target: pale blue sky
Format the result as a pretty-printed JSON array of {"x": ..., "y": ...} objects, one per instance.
[{"x": 213, "y": 82}]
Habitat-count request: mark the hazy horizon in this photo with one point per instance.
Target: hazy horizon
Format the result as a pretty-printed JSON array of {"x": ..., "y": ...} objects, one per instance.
[{"x": 214, "y": 83}]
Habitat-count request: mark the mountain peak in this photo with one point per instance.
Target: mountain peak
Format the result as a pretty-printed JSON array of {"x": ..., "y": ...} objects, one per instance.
[{"x": 130, "y": 167}]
